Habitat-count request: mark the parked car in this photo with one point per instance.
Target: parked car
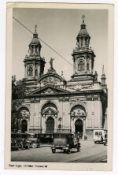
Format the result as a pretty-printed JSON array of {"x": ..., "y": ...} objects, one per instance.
[
  {"x": 14, "y": 145},
  {"x": 99, "y": 135},
  {"x": 32, "y": 142},
  {"x": 65, "y": 142},
  {"x": 17, "y": 141}
]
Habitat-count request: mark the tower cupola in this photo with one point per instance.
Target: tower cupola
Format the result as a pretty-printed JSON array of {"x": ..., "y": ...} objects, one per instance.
[
  {"x": 83, "y": 37},
  {"x": 83, "y": 56},
  {"x": 34, "y": 63},
  {"x": 35, "y": 45}
]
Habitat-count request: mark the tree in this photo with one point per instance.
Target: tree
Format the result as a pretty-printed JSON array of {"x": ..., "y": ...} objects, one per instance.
[
  {"x": 18, "y": 94},
  {"x": 18, "y": 89}
]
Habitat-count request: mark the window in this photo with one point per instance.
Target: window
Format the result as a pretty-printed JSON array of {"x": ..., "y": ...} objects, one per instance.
[
  {"x": 100, "y": 133},
  {"x": 87, "y": 66},
  {"x": 81, "y": 65},
  {"x": 96, "y": 133},
  {"x": 30, "y": 71}
]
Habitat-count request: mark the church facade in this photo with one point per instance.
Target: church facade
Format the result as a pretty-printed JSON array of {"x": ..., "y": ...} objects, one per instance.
[{"x": 53, "y": 104}]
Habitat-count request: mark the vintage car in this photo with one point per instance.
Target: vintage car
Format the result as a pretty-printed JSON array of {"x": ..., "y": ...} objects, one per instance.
[
  {"x": 17, "y": 140},
  {"x": 65, "y": 142},
  {"x": 14, "y": 145},
  {"x": 99, "y": 135},
  {"x": 32, "y": 142}
]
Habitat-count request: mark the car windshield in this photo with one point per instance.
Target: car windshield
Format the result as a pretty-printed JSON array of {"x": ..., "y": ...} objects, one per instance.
[{"x": 96, "y": 133}]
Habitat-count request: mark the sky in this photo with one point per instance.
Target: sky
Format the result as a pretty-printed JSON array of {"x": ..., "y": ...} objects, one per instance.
[{"x": 59, "y": 28}]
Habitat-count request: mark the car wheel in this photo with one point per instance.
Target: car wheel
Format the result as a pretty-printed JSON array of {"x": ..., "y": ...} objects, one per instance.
[
  {"x": 53, "y": 150},
  {"x": 78, "y": 149},
  {"x": 38, "y": 146},
  {"x": 26, "y": 147},
  {"x": 34, "y": 145},
  {"x": 68, "y": 151}
]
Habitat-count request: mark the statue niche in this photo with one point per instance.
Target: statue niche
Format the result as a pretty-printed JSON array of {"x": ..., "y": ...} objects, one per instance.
[
  {"x": 81, "y": 65},
  {"x": 30, "y": 70}
]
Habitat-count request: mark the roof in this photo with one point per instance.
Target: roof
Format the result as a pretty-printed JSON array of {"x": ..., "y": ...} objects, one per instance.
[
  {"x": 35, "y": 41},
  {"x": 83, "y": 32}
]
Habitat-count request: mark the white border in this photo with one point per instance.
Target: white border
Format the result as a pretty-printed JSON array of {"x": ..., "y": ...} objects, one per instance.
[{"x": 2, "y": 92}]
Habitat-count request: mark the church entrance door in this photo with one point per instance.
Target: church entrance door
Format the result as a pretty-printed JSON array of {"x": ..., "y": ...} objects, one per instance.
[
  {"x": 24, "y": 126},
  {"x": 50, "y": 125},
  {"x": 79, "y": 127}
]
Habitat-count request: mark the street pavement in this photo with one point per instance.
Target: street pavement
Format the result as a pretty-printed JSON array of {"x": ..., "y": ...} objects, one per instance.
[{"x": 89, "y": 152}]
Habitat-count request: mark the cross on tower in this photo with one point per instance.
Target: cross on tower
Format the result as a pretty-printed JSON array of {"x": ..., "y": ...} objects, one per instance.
[
  {"x": 83, "y": 17},
  {"x": 103, "y": 69},
  {"x": 35, "y": 28}
]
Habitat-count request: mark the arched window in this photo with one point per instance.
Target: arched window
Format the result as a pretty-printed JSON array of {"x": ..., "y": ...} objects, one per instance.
[
  {"x": 81, "y": 65},
  {"x": 23, "y": 113},
  {"x": 87, "y": 66},
  {"x": 30, "y": 70},
  {"x": 78, "y": 111}
]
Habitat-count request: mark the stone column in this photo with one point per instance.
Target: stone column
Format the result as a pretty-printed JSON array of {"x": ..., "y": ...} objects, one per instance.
[
  {"x": 85, "y": 65},
  {"x": 72, "y": 122},
  {"x": 84, "y": 128},
  {"x": 27, "y": 125},
  {"x": 55, "y": 124},
  {"x": 90, "y": 62},
  {"x": 74, "y": 67},
  {"x": 33, "y": 70},
  {"x": 40, "y": 121},
  {"x": 43, "y": 124},
  {"x": 39, "y": 69},
  {"x": 83, "y": 42},
  {"x": 19, "y": 124},
  {"x": 25, "y": 71}
]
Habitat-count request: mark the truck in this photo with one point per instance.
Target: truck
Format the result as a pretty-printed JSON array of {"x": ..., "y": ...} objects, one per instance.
[
  {"x": 99, "y": 136},
  {"x": 65, "y": 142}
]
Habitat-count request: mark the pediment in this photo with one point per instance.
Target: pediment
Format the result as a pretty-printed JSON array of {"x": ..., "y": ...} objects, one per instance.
[
  {"x": 48, "y": 90},
  {"x": 49, "y": 111},
  {"x": 51, "y": 78}
]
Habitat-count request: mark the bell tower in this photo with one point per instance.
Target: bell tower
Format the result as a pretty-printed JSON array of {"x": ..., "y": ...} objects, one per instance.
[
  {"x": 34, "y": 63},
  {"x": 83, "y": 56}
]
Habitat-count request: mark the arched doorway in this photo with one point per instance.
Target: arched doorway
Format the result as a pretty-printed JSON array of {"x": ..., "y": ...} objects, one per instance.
[
  {"x": 23, "y": 117},
  {"x": 49, "y": 114},
  {"x": 79, "y": 127},
  {"x": 24, "y": 126},
  {"x": 50, "y": 125},
  {"x": 78, "y": 120}
]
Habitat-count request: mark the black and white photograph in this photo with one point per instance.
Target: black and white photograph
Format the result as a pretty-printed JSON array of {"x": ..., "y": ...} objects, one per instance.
[{"x": 59, "y": 68}]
